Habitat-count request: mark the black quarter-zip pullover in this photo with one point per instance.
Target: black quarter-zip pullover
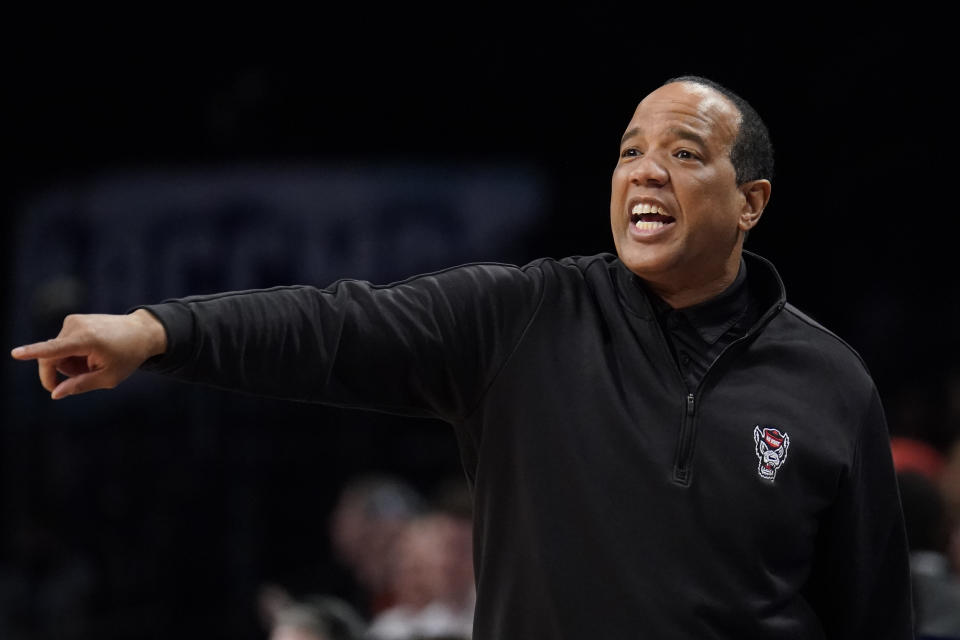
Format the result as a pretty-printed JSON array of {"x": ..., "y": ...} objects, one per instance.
[{"x": 611, "y": 501}]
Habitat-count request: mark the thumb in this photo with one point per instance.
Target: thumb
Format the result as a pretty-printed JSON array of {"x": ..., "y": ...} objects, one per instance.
[
  {"x": 81, "y": 384},
  {"x": 54, "y": 348}
]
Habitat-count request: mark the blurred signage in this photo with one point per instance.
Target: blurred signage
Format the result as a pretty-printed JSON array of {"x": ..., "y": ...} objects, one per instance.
[{"x": 133, "y": 237}]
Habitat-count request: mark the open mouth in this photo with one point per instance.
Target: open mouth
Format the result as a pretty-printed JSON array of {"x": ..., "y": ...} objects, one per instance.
[{"x": 649, "y": 217}]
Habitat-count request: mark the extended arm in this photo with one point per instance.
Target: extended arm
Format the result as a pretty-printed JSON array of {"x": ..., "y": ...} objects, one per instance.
[{"x": 428, "y": 346}]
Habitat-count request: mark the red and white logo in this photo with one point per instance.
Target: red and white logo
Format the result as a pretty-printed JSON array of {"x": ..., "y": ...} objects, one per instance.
[{"x": 772, "y": 445}]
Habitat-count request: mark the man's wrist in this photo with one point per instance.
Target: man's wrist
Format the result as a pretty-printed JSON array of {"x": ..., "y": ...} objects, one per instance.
[{"x": 155, "y": 334}]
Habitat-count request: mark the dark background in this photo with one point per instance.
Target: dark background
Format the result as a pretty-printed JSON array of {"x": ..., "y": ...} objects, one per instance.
[{"x": 158, "y": 512}]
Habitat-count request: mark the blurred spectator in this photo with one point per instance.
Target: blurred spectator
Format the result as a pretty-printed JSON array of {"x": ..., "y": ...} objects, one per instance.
[
  {"x": 317, "y": 618},
  {"x": 271, "y": 599},
  {"x": 433, "y": 582},
  {"x": 452, "y": 496},
  {"x": 369, "y": 516},
  {"x": 454, "y": 499},
  {"x": 949, "y": 484},
  {"x": 911, "y": 454},
  {"x": 936, "y": 586}
]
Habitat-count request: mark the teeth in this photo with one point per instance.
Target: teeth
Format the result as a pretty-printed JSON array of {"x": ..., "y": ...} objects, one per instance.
[
  {"x": 648, "y": 226},
  {"x": 642, "y": 207}
]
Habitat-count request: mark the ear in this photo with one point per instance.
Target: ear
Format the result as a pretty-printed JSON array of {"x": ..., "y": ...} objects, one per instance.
[{"x": 756, "y": 195}]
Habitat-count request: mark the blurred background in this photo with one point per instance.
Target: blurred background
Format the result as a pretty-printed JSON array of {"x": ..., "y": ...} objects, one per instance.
[{"x": 178, "y": 155}]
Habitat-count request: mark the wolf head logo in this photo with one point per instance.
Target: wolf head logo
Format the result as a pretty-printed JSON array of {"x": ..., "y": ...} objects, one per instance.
[{"x": 772, "y": 445}]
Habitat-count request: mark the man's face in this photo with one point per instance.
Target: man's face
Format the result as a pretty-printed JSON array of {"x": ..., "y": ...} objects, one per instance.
[{"x": 675, "y": 178}]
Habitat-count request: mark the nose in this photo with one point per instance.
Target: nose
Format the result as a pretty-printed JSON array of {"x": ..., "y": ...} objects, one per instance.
[{"x": 647, "y": 171}]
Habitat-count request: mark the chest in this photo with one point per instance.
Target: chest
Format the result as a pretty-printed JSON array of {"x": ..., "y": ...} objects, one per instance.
[{"x": 746, "y": 463}]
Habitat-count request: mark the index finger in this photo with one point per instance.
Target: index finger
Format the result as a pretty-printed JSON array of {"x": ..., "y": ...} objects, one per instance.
[{"x": 53, "y": 348}]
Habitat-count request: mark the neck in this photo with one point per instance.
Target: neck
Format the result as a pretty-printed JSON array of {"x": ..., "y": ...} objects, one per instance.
[{"x": 691, "y": 291}]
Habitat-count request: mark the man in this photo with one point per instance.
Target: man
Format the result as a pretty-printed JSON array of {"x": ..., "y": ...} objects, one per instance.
[{"x": 658, "y": 445}]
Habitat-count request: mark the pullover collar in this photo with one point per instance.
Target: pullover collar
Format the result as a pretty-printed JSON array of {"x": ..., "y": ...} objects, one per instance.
[{"x": 765, "y": 286}]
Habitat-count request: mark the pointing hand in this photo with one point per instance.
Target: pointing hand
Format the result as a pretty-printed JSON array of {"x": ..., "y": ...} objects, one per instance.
[{"x": 95, "y": 351}]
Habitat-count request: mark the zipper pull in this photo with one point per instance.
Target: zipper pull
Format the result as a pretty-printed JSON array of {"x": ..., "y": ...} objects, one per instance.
[{"x": 689, "y": 404}]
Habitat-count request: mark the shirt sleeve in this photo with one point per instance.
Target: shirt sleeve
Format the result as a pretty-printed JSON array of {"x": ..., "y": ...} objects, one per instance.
[
  {"x": 426, "y": 346},
  {"x": 860, "y": 584}
]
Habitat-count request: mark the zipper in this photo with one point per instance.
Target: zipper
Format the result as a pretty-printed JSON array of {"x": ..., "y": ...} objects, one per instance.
[
  {"x": 684, "y": 452},
  {"x": 683, "y": 462},
  {"x": 681, "y": 466}
]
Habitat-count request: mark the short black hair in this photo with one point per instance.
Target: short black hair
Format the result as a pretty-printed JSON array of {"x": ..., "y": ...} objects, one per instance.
[{"x": 752, "y": 151}]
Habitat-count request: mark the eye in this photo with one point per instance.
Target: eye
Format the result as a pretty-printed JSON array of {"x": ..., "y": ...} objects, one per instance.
[
  {"x": 686, "y": 154},
  {"x": 631, "y": 152}
]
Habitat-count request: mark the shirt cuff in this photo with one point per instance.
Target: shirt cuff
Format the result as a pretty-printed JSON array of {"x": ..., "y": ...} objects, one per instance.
[{"x": 178, "y": 323}]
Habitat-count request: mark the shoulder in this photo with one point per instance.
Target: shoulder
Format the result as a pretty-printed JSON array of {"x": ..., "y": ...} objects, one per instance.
[
  {"x": 822, "y": 337},
  {"x": 573, "y": 265},
  {"x": 563, "y": 270},
  {"x": 599, "y": 267},
  {"x": 836, "y": 357},
  {"x": 474, "y": 282}
]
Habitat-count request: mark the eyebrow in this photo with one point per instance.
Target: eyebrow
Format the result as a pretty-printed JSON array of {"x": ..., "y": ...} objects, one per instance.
[
  {"x": 679, "y": 133},
  {"x": 629, "y": 134},
  {"x": 688, "y": 135}
]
